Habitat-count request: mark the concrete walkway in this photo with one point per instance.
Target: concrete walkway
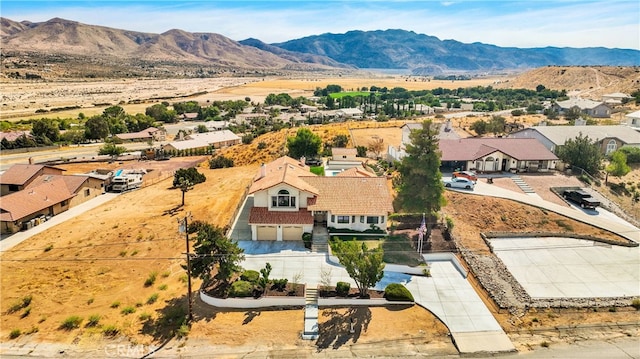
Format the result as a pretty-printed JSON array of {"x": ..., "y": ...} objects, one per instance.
[{"x": 9, "y": 242}]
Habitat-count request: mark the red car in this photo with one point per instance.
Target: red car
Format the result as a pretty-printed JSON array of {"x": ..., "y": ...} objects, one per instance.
[{"x": 466, "y": 174}]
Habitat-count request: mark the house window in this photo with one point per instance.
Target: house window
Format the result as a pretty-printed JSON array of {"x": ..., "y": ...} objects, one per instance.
[
  {"x": 373, "y": 220},
  {"x": 64, "y": 203},
  {"x": 87, "y": 192},
  {"x": 611, "y": 146},
  {"x": 283, "y": 199},
  {"x": 361, "y": 219},
  {"x": 353, "y": 219},
  {"x": 333, "y": 218},
  {"x": 343, "y": 219}
]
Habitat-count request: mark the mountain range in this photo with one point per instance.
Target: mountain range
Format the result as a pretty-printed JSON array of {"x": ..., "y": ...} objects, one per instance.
[{"x": 383, "y": 49}]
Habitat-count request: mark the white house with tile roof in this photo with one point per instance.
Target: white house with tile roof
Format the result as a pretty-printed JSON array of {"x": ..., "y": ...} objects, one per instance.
[
  {"x": 592, "y": 108},
  {"x": 289, "y": 200}
]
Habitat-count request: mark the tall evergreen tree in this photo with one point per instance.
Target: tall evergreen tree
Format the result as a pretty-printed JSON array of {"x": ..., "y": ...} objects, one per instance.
[
  {"x": 581, "y": 152},
  {"x": 420, "y": 185}
]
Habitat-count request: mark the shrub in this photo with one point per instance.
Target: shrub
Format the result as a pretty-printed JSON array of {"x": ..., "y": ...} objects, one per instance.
[
  {"x": 280, "y": 284},
  {"x": 153, "y": 298},
  {"x": 24, "y": 302},
  {"x": 250, "y": 276},
  {"x": 163, "y": 287},
  {"x": 26, "y": 312},
  {"x": 544, "y": 344},
  {"x": 128, "y": 310},
  {"x": 115, "y": 304},
  {"x": 150, "y": 279},
  {"x": 14, "y": 333},
  {"x": 262, "y": 145},
  {"x": 636, "y": 303},
  {"x": 71, "y": 322},
  {"x": 342, "y": 288},
  {"x": 93, "y": 320},
  {"x": 397, "y": 292},
  {"x": 220, "y": 162},
  {"x": 89, "y": 301},
  {"x": 110, "y": 330},
  {"x": 145, "y": 316},
  {"x": 241, "y": 288},
  {"x": 48, "y": 248},
  {"x": 307, "y": 238},
  {"x": 183, "y": 331}
]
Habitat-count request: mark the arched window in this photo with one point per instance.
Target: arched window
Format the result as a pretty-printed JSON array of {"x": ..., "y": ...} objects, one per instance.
[
  {"x": 612, "y": 146},
  {"x": 283, "y": 199}
]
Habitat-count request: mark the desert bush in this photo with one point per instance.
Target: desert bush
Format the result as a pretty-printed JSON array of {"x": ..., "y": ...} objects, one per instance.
[
  {"x": 110, "y": 330},
  {"x": 241, "y": 288},
  {"x": 153, "y": 298},
  {"x": 145, "y": 316},
  {"x": 26, "y": 312},
  {"x": 307, "y": 239},
  {"x": 163, "y": 287},
  {"x": 71, "y": 322},
  {"x": 128, "y": 310},
  {"x": 14, "y": 333},
  {"x": 250, "y": 275},
  {"x": 115, "y": 304},
  {"x": 150, "y": 279},
  {"x": 22, "y": 303},
  {"x": 342, "y": 288},
  {"x": 636, "y": 303},
  {"x": 93, "y": 320},
  {"x": 397, "y": 292},
  {"x": 220, "y": 162},
  {"x": 183, "y": 331}
]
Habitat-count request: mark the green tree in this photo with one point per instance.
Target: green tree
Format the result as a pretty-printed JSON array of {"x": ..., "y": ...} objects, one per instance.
[
  {"x": 581, "y": 152},
  {"x": 111, "y": 149},
  {"x": 213, "y": 249},
  {"x": 618, "y": 166},
  {"x": 572, "y": 114},
  {"x": 160, "y": 112},
  {"x": 305, "y": 143},
  {"x": 362, "y": 151},
  {"x": 496, "y": 124},
  {"x": 138, "y": 122},
  {"x": 189, "y": 174},
  {"x": 45, "y": 128},
  {"x": 420, "y": 187},
  {"x": 340, "y": 141},
  {"x": 479, "y": 127},
  {"x": 96, "y": 128},
  {"x": 364, "y": 266}
]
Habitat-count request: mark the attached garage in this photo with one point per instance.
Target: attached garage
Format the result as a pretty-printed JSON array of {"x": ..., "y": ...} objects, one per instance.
[
  {"x": 291, "y": 233},
  {"x": 267, "y": 233}
]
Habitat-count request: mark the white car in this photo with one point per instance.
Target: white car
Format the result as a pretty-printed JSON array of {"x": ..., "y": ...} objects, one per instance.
[{"x": 459, "y": 182}]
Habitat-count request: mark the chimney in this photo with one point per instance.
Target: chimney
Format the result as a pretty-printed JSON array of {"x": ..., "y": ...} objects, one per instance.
[
  {"x": 263, "y": 170},
  {"x": 303, "y": 161}
]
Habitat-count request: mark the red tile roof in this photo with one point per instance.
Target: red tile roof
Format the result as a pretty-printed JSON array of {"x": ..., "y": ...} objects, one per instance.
[
  {"x": 351, "y": 195},
  {"x": 18, "y": 205},
  {"x": 73, "y": 183},
  {"x": 262, "y": 215},
  {"x": 283, "y": 170},
  {"x": 20, "y": 174},
  {"x": 470, "y": 149}
]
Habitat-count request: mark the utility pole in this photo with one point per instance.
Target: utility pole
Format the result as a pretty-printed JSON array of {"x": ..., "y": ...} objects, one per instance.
[{"x": 183, "y": 224}]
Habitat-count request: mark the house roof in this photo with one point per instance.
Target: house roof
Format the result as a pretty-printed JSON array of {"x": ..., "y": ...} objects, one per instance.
[
  {"x": 283, "y": 170},
  {"x": 560, "y": 134},
  {"x": 341, "y": 151},
  {"x": 633, "y": 115},
  {"x": 214, "y": 136},
  {"x": 146, "y": 133},
  {"x": 351, "y": 195},
  {"x": 470, "y": 149},
  {"x": 72, "y": 183},
  {"x": 262, "y": 215},
  {"x": 186, "y": 144},
  {"x": 14, "y": 135},
  {"x": 617, "y": 94},
  {"x": 20, "y": 174},
  {"x": 350, "y": 111},
  {"x": 356, "y": 172},
  {"x": 580, "y": 103},
  {"x": 18, "y": 205}
]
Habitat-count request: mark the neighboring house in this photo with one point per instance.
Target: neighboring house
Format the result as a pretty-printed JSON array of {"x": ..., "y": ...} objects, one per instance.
[
  {"x": 587, "y": 107},
  {"x": 148, "y": 134},
  {"x": 14, "y": 135},
  {"x": 19, "y": 176},
  {"x": 307, "y": 108},
  {"x": 423, "y": 109},
  {"x": 190, "y": 116},
  {"x": 397, "y": 153},
  {"x": 46, "y": 196},
  {"x": 215, "y": 139},
  {"x": 289, "y": 200},
  {"x": 342, "y": 159},
  {"x": 609, "y": 138},
  {"x": 496, "y": 154},
  {"x": 615, "y": 98},
  {"x": 341, "y": 154},
  {"x": 346, "y": 113},
  {"x": 633, "y": 119}
]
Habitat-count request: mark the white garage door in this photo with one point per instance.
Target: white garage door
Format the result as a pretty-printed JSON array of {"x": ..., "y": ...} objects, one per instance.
[
  {"x": 291, "y": 233},
  {"x": 267, "y": 233}
]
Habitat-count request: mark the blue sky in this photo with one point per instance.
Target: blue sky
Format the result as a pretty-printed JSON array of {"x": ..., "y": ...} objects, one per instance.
[{"x": 504, "y": 23}]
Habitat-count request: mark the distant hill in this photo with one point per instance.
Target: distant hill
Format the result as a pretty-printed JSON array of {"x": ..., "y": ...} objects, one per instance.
[
  {"x": 423, "y": 54},
  {"x": 65, "y": 48}
]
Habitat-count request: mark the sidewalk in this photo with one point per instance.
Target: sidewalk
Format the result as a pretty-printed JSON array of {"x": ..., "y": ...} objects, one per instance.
[{"x": 9, "y": 242}]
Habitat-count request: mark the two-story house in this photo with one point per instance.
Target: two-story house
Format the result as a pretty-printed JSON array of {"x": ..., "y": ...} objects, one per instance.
[{"x": 288, "y": 200}]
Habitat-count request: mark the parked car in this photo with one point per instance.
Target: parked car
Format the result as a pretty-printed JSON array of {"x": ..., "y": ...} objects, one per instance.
[
  {"x": 470, "y": 175},
  {"x": 459, "y": 182},
  {"x": 313, "y": 162},
  {"x": 582, "y": 198}
]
